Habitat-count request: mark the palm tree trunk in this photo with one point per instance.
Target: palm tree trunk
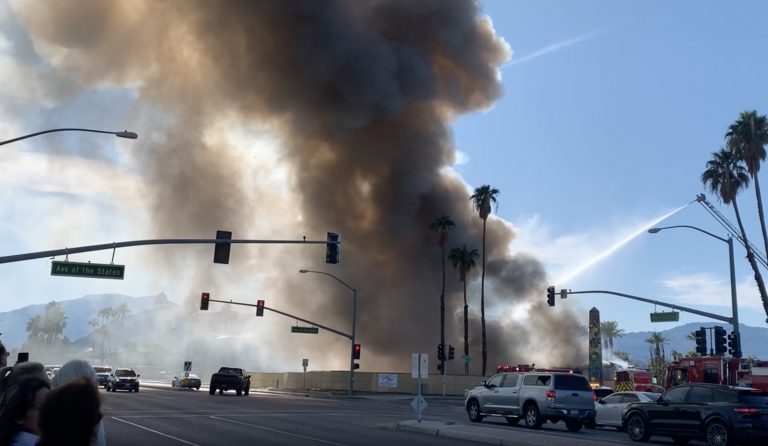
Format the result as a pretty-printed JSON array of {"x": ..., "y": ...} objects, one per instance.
[
  {"x": 442, "y": 311},
  {"x": 760, "y": 212},
  {"x": 751, "y": 259},
  {"x": 466, "y": 330},
  {"x": 482, "y": 304}
]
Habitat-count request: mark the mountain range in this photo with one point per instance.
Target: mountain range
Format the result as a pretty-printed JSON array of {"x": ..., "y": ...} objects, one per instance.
[{"x": 153, "y": 321}]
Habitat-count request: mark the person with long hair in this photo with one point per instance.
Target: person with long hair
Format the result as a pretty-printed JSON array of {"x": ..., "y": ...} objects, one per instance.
[
  {"x": 21, "y": 403},
  {"x": 70, "y": 414}
]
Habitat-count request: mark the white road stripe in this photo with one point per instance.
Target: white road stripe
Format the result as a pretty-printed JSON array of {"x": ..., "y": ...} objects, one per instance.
[
  {"x": 156, "y": 432},
  {"x": 279, "y": 431}
]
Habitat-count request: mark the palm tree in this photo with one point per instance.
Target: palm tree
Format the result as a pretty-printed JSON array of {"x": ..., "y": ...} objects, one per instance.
[
  {"x": 747, "y": 137},
  {"x": 481, "y": 201},
  {"x": 610, "y": 330},
  {"x": 725, "y": 175},
  {"x": 464, "y": 259},
  {"x": 439, "y": 229},
  {"x": 657, "y": 353}
]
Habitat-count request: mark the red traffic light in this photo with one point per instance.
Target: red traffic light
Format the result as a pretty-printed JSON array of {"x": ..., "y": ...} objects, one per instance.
[
  {"x": 204, "y": 300},
  {"x": 259, "y": 307},
  {"x": 356, "y": 351}
]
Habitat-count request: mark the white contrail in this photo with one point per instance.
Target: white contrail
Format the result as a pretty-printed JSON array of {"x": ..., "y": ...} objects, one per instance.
[{"x": 552, "y": 48}]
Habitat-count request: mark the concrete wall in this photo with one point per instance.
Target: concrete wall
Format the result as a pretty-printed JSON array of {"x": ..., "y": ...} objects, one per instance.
[{"x": 365, "y": 382}]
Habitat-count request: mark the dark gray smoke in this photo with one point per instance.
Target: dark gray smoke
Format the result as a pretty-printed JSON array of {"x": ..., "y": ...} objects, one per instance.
[{"x": 361, "y": 95}]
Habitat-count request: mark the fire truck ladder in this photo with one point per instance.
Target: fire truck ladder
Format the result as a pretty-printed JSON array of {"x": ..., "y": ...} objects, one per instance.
[{"x": 735, "y": 233}]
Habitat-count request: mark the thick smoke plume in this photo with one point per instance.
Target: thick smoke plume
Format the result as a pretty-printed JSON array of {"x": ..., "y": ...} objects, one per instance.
[{"x": 360, "y": 96}]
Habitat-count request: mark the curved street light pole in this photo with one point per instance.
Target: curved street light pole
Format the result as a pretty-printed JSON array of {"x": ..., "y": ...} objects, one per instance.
[
  {"x": 729, "y": 242},
  {"x": 123, "y": 134},
  {"x": 354, "y": 320}
]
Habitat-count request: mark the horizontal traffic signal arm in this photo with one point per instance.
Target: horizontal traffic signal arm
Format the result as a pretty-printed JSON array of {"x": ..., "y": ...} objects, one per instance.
[
  {"x": 171, "y": 241},
  {"x": 663, "y": 304},
  {"x": 292, "y": 316}
]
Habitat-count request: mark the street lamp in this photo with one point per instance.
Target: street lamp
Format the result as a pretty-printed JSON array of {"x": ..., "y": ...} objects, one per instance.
[
  {"x": 354, "y": 320},
  {"x": 729, "y": 241},
  {"x": 123, "y": 134}
]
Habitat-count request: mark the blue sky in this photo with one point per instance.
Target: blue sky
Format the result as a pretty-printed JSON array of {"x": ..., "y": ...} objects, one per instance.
[{"x": 609, "y": 113}]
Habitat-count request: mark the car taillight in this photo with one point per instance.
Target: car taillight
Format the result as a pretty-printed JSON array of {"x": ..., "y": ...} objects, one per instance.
[
  {"x": 550, "y": 394},
  {"x": 746, "y": 410}
]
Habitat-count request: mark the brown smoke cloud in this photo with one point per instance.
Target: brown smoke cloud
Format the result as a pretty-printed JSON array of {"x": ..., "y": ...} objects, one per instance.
[{"x": 361, "y": 95}]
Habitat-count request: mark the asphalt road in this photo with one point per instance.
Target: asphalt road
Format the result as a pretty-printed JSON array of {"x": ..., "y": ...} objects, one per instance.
[{"x": 165, "y": 416}]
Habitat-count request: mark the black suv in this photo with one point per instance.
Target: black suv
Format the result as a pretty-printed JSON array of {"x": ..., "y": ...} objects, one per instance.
[{"x": 720, "y": 415}]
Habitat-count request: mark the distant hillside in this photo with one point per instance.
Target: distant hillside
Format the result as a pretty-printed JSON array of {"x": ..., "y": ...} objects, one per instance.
[
  {"x": 753, "y": 341},
  {"x": 79, "y": 312}
]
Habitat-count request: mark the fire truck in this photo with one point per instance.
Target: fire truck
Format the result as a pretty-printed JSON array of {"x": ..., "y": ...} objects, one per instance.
[
  {"x": 528, "y": 368},
  {"x": 717, "y": 370},
  {"x": 628, "y": 380}
]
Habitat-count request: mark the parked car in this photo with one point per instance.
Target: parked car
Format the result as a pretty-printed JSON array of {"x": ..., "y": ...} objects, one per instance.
[
  {"x": 608, "y": 409},
  {"x": 123, "y": 379},
  {"x": 188, "y": 380},
  {"x": 718, "y": 414},
  {"x": 534, "y": 397},
  {"x": 230, "y": 378},
  {"x": 102, "y": 374}
]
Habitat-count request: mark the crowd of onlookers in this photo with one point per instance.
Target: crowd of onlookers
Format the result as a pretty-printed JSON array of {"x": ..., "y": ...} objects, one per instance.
[{"x": 63, "y": 411}]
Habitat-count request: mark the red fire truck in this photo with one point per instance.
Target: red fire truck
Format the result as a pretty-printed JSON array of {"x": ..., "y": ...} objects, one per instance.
[
  {"x": 717, "y": 370},
  {"x": 634, "y": 380}
]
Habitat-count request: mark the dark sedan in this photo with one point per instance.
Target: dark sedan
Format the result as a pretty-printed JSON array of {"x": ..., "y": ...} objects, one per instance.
[
  {"x": 186, "y": 380},
  {"x": 123, "y": 379},
  {"x": 720, "y": 415}
]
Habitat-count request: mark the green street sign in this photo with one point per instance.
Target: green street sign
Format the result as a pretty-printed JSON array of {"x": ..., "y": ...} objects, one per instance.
[
  {"x": 310, "y": 330},
  {"x": 90, "y": 270},
  {"x": 666, "y": 316}
]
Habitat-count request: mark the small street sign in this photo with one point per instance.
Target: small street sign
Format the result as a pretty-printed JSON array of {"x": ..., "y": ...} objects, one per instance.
[
  {"x": 308, "y": 330},
  {"x": 666, "y": 316},
  {"x": 187, "y": 366},
  {"x": 419, "y": 365},
  {"x": 419, "y": 404},
  {"x": 90, "y": 270}
]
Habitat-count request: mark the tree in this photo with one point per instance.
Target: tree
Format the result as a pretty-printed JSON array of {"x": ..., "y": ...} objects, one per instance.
[
  {"x": 464, "y": 259},
  {"x": 439, "y": 229},
  {"x": 482, "y": 199},
  {"x": 747, "y": 137},
  {"x": 610, "y": 330},
  {"x": 725, "y": 176},
  {"x": 657, "y": 354},
  {"x": 622, "y": 355}
]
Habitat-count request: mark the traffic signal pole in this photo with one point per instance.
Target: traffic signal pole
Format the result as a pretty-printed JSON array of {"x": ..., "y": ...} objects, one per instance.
[
  {"x": 663, "y": 304},
  {"x": 173, "y": 241}
]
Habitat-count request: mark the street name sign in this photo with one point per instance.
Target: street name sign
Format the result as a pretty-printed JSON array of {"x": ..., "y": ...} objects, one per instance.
[
  {"x": 665, "y": 316},
  {"x": 310, "y": 330},
  {"x": 89, "y": 270}
]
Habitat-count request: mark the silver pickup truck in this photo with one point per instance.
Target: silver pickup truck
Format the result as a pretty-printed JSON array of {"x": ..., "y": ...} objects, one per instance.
[{"x": 534, "y": 397}]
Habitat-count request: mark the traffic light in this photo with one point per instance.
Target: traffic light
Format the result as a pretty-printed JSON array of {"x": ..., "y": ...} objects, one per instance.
[
  {"x": 440, "y": 367},
  {"x": 450, "y": 352},
  {"x": 332, "y": 250},
  {"x": 440, "y": 352},
  {"x": 356, "y": 351},
  {"x": 221, "y": 250},
  {"x": 551, "y": 296},
  {"x": 720, "y": 347},
  {"x": 734, "y": 345},
  {"x": 356, "y": 366},
  {"x": 701, "y": 341},
  {"x": 204, "y": 301},
  {"x": 259, "y": 307}
]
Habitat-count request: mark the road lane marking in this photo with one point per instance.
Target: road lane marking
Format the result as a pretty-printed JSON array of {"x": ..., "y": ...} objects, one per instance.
[
  {"x": 156, "y": 432},
  {"x": 279, "y": 431}
]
